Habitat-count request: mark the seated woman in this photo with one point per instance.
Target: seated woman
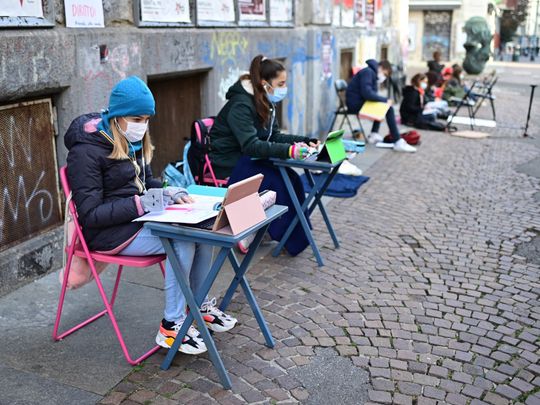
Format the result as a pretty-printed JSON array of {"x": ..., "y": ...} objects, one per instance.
[
  {"x": 413, "y": 109},
  {"x": 455, "y": 88},
  {"x": 109, "y": 173},
  {"x": 246, "y": 133}
]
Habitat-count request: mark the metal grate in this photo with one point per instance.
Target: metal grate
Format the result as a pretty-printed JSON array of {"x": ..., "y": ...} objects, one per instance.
[{"x": 29, "y": 201}]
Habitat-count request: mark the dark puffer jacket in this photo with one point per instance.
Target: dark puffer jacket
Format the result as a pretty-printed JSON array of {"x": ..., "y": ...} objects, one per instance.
[
  {"x": 411, "y": 106},
  {"x": 103, "y": 189},
  {"x": 237, "y": 131},
  {"x": 363, "y": 87}
]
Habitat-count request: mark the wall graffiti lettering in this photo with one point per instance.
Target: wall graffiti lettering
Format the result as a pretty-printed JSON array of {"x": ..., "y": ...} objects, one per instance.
[{"x": 29, "y": 190}]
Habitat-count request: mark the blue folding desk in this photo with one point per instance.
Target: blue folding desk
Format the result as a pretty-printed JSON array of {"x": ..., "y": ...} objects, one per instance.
[
  {"x": 168, "y": 233},
  {"x": 313, "y": 199}
]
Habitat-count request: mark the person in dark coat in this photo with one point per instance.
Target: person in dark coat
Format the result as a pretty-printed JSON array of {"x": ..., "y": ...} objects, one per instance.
[
  {"x": 412, "y": 106},
  {"x": 109, "y": 174},
  {"x": 246, "y": 133},
  {"x": 363, "y": 87},
  {"x": 435, "y": 66}
]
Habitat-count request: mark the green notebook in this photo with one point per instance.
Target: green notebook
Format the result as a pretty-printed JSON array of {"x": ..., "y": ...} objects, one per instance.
[{"x": 333, "y": 150}]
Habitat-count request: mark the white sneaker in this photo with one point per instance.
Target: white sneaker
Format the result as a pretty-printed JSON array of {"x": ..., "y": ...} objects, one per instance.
[
  {"x": 215, "y": 319},
  {"x": 402, "y": 146},
  {"x": 191, "y": 344},
  {"x": 349, "y": 169},
  {"x": 374, "y": 137}
]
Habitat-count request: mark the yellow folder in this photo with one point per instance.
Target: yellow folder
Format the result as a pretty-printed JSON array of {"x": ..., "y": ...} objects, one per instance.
[{"x": 374, "y": 110}]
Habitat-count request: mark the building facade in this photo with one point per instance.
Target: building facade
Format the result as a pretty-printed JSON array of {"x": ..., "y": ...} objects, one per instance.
[
  {"x": 438, "y": 25},
  {"x": 60, "y": 59}
]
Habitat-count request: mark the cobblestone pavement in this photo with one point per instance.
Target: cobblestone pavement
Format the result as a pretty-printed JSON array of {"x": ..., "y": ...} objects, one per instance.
[{"x": 426, "y": 293}]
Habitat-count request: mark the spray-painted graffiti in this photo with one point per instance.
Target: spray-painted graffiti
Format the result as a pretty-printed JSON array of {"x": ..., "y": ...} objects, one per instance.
[
  {"x": 227, "y": 81},
  {"x": 28, "y": 191},
  {"x": 13, "y": 205}
]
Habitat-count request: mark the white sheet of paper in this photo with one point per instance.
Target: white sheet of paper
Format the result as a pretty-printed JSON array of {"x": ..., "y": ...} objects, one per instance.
[
  {"x": 21, "y": 8},
  {"x": 202, "y": 209},
  {"x": 165, "y": 11},
  {"x": 475, "y": 121},
  {"x": 84, "y": 13}
]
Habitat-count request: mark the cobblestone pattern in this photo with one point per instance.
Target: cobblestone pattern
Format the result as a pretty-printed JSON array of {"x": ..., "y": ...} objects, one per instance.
[{"x": 425, "y": 292}]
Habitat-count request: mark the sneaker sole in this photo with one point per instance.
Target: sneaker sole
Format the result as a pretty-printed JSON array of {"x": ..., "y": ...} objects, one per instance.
[
  {"x": 167, "y": 342},
  {"x": 218, "y": 328}
]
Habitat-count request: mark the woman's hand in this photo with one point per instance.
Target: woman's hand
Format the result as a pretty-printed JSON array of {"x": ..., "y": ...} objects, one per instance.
[
  {"x": 298, "y": 151},
  {"x": 314, "y": 143}
]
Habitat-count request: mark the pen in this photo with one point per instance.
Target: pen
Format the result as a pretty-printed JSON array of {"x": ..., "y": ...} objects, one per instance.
[{"x": 179, "y": 209}]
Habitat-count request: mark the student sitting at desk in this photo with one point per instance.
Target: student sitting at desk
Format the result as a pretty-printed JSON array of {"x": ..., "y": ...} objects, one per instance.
[
  {"x": 363, "y": 87},
  {"x": 109, "y": 173},
  {"x": 247, "y": 128}
]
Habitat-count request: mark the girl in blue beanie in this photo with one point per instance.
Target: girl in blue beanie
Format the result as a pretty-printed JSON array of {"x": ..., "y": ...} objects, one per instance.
[{"x": 109, "y": 173}]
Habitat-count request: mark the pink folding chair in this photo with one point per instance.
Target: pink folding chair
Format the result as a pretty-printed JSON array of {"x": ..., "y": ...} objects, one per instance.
[
  {"x": 198, "y": 157},
  {"x": 78, "y": 247}
]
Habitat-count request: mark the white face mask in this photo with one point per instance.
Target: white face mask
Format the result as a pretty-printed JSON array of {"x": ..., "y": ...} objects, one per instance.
[
  {"x": 381, "y": 77},
  {"x": 423, "y": 85},
  {"x": 135, "y": 131}
]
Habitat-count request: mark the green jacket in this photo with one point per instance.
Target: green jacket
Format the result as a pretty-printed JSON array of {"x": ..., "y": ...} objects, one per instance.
[{"x": 237, "y": 131}]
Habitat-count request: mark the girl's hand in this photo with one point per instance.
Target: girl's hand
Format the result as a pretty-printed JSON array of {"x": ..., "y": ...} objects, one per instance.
[
  {"x": 298, "y": 151},
  {"x": 314, "y": 143},
  {"x": 177, "y": 195}
]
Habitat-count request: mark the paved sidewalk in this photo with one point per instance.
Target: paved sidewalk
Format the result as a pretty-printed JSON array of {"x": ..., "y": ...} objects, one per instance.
[
  {"x": 433, "y": 297},
  {"x": 427, "y": 301}
]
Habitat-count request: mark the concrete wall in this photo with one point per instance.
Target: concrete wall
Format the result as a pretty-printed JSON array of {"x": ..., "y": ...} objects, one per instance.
[{"x": 65, "y": 64}]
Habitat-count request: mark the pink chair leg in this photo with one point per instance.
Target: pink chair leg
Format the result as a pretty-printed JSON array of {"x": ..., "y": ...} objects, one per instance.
[
  {"x": 117, "y": 282},
  {"x": 162, "y": 267},
  {"x": 108, "y": 310}
]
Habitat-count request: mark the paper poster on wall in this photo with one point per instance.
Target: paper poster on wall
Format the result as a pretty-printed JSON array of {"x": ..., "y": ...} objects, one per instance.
[
  {"x": 165, "y": 11},
  {"x": 327, "y": 55},
  {"x": 369, "y": 14},
  {"x": 215, "y": 10},
  {"x": 359, "y": 12},
  {"x": 347, "y": 13},
  {"x": 281, "y": 10},
  {"x": 21, "y": 8},
  {"x": 252, "y": 10},
  {"x": 322, "y": 12},
  {"x": 84, "y": 13}
]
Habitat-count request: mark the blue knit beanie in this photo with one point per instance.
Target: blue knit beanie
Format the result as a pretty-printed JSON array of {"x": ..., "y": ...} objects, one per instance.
[{"x": 130, "y": 97}]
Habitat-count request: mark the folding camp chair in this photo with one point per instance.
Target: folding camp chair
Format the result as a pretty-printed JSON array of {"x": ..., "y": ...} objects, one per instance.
[
  {"x": 78, "y": 247},
  {"x": 485, "y": 93},
  {"x": 463, "y": 101},
  {"x": 199, "y": 161},
  {"x": 341, "y": 86}
]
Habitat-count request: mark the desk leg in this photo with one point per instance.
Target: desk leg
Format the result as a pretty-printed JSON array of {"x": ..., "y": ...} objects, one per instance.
[
  {"x": 240, "y": 278},
  {"x": 194, "y": 311},
  {"x": 299, "y": 216},
  {"x": 234, "y": 283},
  {"x": 318, "y": 202}
]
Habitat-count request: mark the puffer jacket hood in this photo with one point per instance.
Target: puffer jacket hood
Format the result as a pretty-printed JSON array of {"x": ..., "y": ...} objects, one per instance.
[
  {"x": 242, "y": 88},
  {"x": 83, "y": 129},
  {"x": 373, "y": 65}
]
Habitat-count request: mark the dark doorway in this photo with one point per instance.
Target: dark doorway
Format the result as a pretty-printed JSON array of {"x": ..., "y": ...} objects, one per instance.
[
  {"x": 178, "y": 104},
  {"x": 384, "y": 52},
  {"x": 346, "y": 64}
]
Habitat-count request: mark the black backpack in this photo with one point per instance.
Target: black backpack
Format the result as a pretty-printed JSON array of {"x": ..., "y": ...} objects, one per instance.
[{"x": 199, "y": 148}]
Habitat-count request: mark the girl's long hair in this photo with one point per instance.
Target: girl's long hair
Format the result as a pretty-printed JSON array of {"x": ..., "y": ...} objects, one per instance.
[
  {"x": 260, "y": 70},
  {"x": 120, "y": 145}
]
